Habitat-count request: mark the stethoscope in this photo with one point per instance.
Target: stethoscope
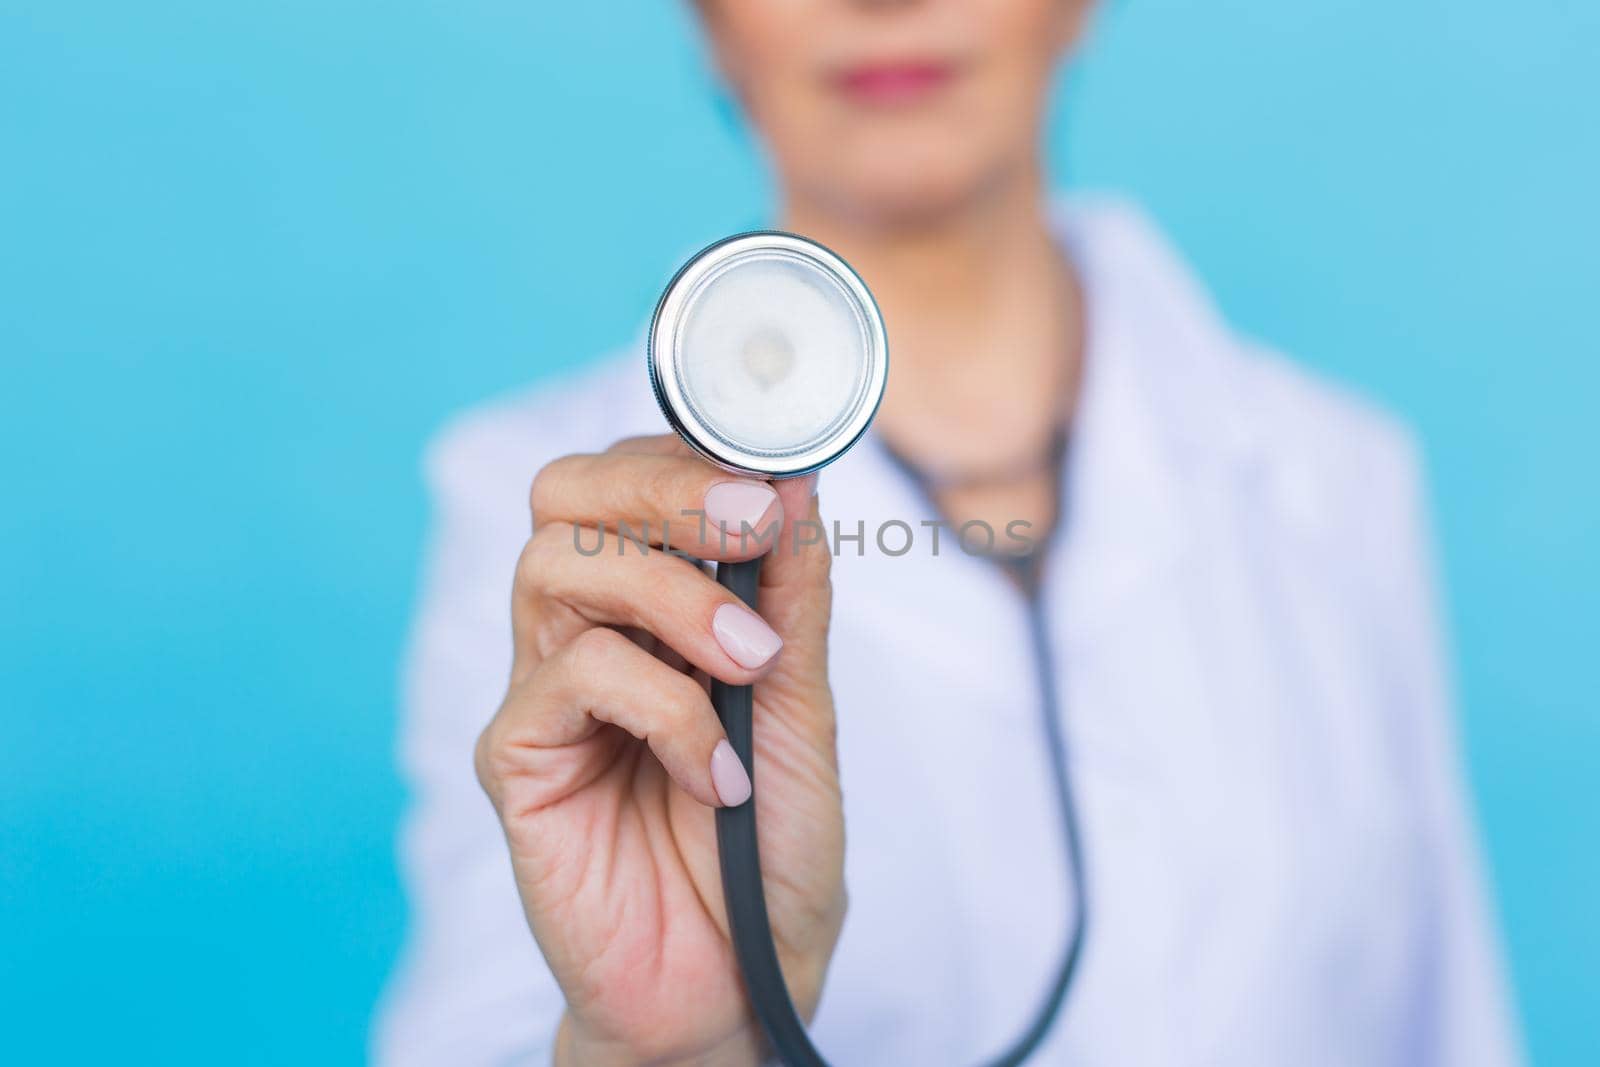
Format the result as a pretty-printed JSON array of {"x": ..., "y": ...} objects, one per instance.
[{"x": 768, "y": 356}]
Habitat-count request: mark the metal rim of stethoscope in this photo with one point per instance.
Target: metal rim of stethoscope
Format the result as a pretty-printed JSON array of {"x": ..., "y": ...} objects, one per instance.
[{"x": 666, "y": 371}]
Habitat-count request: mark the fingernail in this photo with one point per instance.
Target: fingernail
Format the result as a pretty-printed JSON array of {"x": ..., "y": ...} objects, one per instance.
[
  {"x": 745, "y": 636},
  {"x": 728, "y": 775},
  {"x": 733, "y": 505}
]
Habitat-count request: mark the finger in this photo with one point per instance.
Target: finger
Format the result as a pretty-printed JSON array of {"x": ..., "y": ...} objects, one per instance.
[
  {"x": 656, "y": 444},
  {"x": 652, "y": 644},
  {"x": 660, "y": 500},
  {"x": 796, "y": 594},
  {"x": 627, "y": 586},
  {"x": 602, "y": 677},
  {"x": 800, "y": 561}
]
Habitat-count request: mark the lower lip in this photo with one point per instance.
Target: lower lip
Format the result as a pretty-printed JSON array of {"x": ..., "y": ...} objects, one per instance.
[{"x": 901, "y": 84}]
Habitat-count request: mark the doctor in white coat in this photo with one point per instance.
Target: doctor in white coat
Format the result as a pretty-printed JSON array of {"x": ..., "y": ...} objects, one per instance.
[{"x": 1278, "y": 861}]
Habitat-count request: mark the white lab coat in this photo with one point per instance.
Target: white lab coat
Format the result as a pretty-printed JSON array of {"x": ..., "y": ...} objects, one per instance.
[{"x": 1280, "y": 857}]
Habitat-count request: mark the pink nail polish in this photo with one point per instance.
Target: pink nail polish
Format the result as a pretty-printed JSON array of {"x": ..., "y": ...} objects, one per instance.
[
  {"x": 728, "y": 775},
  {"x": 734, "y": 505},
  {"x": 744, "y": 635}
]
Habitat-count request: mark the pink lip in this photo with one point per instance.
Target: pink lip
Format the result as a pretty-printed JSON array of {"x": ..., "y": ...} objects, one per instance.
[{"x": 894, "y": 83}]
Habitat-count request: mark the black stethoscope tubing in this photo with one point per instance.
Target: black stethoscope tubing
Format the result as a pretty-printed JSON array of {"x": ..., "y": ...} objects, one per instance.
[{"x": 740, "y": 860}]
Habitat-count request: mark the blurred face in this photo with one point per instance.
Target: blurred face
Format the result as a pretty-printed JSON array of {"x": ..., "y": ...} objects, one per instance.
[{"x": 892, "y": 111}]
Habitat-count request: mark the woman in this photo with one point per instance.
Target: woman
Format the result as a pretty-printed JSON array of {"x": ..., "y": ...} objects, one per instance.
[{"x": 1276, "y": 862}]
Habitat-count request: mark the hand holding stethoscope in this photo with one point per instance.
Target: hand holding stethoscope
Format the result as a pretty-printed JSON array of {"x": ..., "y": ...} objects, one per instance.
[
  {"x": 603, "y": 760},
  {"x": 606, "y": 758},
  {"x": 679, "y": 935}
]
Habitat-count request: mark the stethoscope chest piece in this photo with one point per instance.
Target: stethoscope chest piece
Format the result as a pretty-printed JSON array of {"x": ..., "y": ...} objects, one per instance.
[{"x": 768, "y": 354}]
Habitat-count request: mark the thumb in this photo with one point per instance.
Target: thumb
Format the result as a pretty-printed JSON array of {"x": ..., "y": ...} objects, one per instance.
[{"x": 796, "y": 596}]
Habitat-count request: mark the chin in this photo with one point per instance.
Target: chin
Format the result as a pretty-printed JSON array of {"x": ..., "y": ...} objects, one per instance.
[{"x": 910, "y": 189}]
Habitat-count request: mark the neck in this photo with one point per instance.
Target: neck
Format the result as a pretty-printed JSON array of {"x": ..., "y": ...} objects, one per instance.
[{"x": 983, "y": 320}]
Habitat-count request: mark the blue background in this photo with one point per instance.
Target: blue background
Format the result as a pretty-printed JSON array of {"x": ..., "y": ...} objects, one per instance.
[{"x": 251, "y": 254}]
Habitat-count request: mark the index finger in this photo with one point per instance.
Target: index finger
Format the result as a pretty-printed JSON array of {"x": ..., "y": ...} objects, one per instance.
[
  {"x": 662, "y": 499},
  {"x": 655, "y": 444}
]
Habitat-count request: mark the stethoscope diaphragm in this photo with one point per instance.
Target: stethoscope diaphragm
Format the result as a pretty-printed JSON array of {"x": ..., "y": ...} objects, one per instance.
[{"x": 768, "y": 354}]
